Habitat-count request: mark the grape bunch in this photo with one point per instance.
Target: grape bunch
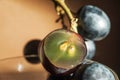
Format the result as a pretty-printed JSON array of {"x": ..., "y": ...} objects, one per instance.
[{"x": 66, "y": 53}]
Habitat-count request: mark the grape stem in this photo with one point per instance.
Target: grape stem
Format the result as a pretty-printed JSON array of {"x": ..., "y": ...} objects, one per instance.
[{"x": 62, "y": 8}]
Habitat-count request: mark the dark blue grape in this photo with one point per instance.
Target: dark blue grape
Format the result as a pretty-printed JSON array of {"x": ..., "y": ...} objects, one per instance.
[
  {"x": 94, "y": 71},
  {"x": 95, "y": 22},
  {"x": 91, "y": 48}
]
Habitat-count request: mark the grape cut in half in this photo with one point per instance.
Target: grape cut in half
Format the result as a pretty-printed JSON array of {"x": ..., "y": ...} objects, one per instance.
[{"x": 62, "y": 51}]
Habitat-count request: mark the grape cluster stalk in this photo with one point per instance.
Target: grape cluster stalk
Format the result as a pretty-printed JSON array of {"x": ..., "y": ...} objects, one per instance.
[{"x": 67, "y": 53}]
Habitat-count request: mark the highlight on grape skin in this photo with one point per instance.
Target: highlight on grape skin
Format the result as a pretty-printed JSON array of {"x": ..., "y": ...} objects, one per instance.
[
  {"x": 64, "y": 49},
  {"x": 95, "y": 22}
]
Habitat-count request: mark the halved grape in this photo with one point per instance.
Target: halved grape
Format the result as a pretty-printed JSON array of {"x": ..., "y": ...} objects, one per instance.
[
  {"x": 95, "y": 22},
  {"x": 62, "y": 50},
  {"x": 95, "y": 71},
  {"x": 91, "y": 48}
]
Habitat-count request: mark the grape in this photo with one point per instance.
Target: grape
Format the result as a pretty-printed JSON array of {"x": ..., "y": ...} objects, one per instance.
[
  {"x": 95, "y": 71},
  {"x": 91, "y": 48},
  {"x": 62, "y": 51},
  {"x": 95, "y": 22}
]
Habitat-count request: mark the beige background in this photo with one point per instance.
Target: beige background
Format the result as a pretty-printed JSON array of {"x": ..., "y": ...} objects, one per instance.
[{"x": 22, "y": 21}]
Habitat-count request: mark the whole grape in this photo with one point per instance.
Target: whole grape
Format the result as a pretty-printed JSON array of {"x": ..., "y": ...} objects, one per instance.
[
  {"x": 94, "y": 71},
  {"x": 91, "y": 48},
  {"x": 95, "y": 22},
  {"x": 62, "y": 51}
]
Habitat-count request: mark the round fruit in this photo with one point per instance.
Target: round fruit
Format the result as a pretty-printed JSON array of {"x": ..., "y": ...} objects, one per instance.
[
  {"x": 91, "y": 48},
  {"x": 62, "y": 51},
  {"x": 95, "y": 22},
  {"x": 95, "y": 71}
]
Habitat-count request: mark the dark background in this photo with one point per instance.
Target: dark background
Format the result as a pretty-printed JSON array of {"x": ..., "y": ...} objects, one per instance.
[{"x": 108, "y": 51}]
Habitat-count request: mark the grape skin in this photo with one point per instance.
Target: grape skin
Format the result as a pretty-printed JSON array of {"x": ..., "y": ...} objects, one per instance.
[
  {"x": 95, "y": 22},
  {"x": 91, "y": 49},
  {"x": 98, "y": 71},
  {"x": 92, "y": 70}
]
